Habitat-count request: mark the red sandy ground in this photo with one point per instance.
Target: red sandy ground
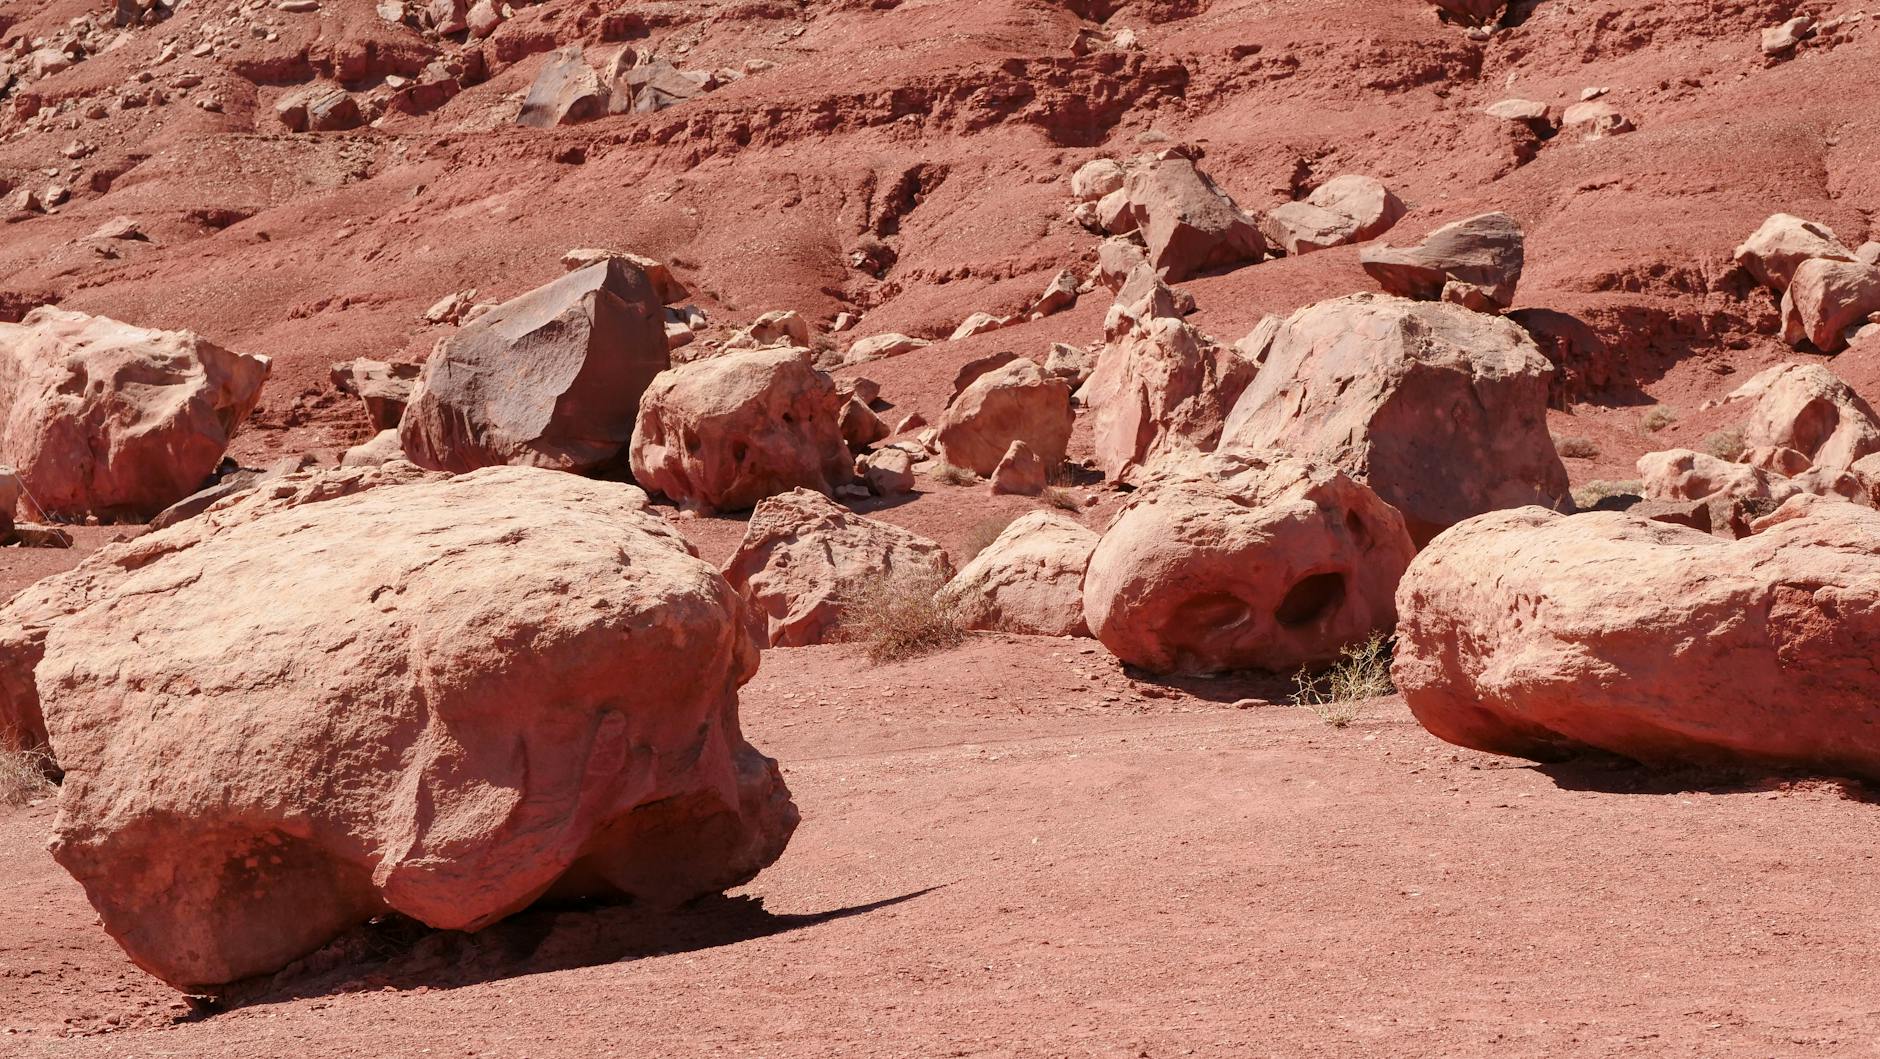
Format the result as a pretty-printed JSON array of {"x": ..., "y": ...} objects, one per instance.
[{"x": 1015, "y": 849}]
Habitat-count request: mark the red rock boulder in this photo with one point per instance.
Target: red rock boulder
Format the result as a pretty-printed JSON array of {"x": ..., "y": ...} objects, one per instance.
[
  {"x": 552, "y": 378},
  {"x": 724, "y": 433},
  {"x": 447, "y": 700},
  {"x": 1475, "y": 262},
  {"x": 1234, "y": 561},
  {"x": 1441, "y": 410},
  {"x": 104, "y": 418},
  {"x": 1188, "y": 223},
  {"x": 1536, "y": 634},
  {"x": 1014, "y": 402},
  {"x": 807, "y": 565},
  {"x": 1030, "y": 578}
]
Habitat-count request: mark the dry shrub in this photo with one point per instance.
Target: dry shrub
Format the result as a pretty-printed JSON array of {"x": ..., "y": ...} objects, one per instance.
[
  {"x": 1362, "y": 672},
  {"x": 1599, "y": 489},
  {"x": 981, "y": 536},
  {"x": 950, "y": 475},
  {"x": 906, "y": 615},
  {"x": 1061, "y": 498},
  {"x": 24, "y": 776},
  {"x": 1577, "y": 448},
  {"x": 1659, "y": 418},
  {"x": 1726, "y": 444}
]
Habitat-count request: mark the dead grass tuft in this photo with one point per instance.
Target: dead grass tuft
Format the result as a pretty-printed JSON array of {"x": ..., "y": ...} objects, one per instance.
[
  {"x": 1726, "y": 444},
  {"x": 948, "y": 474},
  {"x": 1659, "y": 418},
  {"x": 1599, "y": 489},
  {"x": 1061, "y": 498},
  {"x": 981, "y": 536},
  {"x": 1362, "y": 672},
  {"x": 907, "y": 615},
  {"x": 24, "y": 776},
  {"x": 1577, "y": 448}
]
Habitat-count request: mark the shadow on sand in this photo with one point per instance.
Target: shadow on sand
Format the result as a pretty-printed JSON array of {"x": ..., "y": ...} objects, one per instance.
[
  {"x": 400, "y": 953},
  {"x": 1611, "y": 774}
]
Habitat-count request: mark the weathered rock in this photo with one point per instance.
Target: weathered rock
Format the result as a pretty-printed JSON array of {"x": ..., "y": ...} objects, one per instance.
[
  {"x": 1527, "y": 633},
  {"x": 976, "y": 367},
  {"x": 10, "y": 490},
  {"x": 1017, "y": 402},
  {"x": 383, "y": 388},
  {"x": 1097, "y": 178},
  {"x": 1235, "y": 561},
  {"x": 27, "y": 618},
  {"x": 552, "y": 378},
  {"x": 658, "y": 84},
  {"x": 1155, "y": 392},
  {"x": 1828, "y": 298},
  {"x": 1117, "y": 258},
  {"x": 442, "y": 735},
  {"x": 1020, "y": 472},
  {"x": 1030, "y": 578},
  {"x": 1188, "y": 224},
  {"x": 859, "y": 424},
  {"x": 104, "y": 418},
  {"x": 888, "y": 472},
  {"x": 1869, "y": 253},
  {"x": 230, "y": 480},
  {"x": 1595, "y": 119},
  {"x": 382, "y": 447},
  {"x": 977, "y": 324},
  {"x": 1470, "y": 12},
  {"x": 724, "y": 433},
  {"x": 1805, "y": 408},
  {"x": 1681, "y": 474},
  {"x": 806, "y": 563},
  {"x": 565, "y": 92},
  {"x": 876, "y": 347},
  {"x": 1526, "y": 111},
  {"x": 1345, "y": 209},
  {"x": 779, "y": 327},
  {"x": 1059, "y": 295},
  {"x": 1441, "y": 410},
  {"x": 666, "y": 286},
  {"x": 1782, "y": 39},
  {"x": 321, "y": 108},
  {"x": 1774, "y": 251},
  {"x": 1073, "y": 364},
  {"x": 1484, "y": 252}
]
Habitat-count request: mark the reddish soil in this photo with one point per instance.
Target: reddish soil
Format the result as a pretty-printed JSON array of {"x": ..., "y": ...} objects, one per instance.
[{"x": 1013, "y": 849}]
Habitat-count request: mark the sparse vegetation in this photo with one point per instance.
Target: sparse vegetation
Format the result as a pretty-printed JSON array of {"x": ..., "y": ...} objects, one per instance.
[
  {"x": 907, "y": 615},
  {"x": 24, "y": 776},
  {"x": 982, "y": 535},
  {"x": 1061, "y": 498},
  {"x": 1659, "y": 418},
  {"x": 948, "y": 474},
  {"x": 1577, "y": 448},
  {"x": 1362, "y": 672},
  {"x": 1594, "y": 491},
  {"x": 1726, "y": 444}
]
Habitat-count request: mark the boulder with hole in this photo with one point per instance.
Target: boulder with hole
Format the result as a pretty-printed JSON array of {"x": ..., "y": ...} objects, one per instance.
[{"x": 1239, "y": 561}]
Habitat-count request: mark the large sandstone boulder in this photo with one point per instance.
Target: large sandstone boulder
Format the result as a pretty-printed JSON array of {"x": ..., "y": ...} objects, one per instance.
[
  {"x": 1827, "y": 301},
  {"x": 26, "y": 619},
  {"x": 1806, "y": 409},
  {"x": 1441, "y": 410},
  {"x": 1030, "y": 578},
  {"x": 445, "y": 700},
  {"x": 1016, "y": 402},
  {"x": 104, "y": 418},
  {"x": 807, "y": 564},
  {"x": 1188, "y": 223},
  {"x": 1475, "y": 262},
  {"x": 1157, "y": 391},
  {"x": 723, "y": 433},
  {"x": 1345, "y": 209},
  {"x": 1529, "y": 633},
  {"x": 566, "y": 91},
  {"x": 1237, "y": 561},
  {"x": 552, "y": 378},
  {"x": 1774, "y": 251}
]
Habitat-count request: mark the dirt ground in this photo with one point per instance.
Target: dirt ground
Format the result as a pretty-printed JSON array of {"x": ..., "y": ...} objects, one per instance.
[{"x": 1015, "y": 849}]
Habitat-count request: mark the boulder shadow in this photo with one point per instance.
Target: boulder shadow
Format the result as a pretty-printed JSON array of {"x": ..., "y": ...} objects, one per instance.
[
  {"x": 1602, "y": 773},
  {"x": 398, "y": 953}
]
